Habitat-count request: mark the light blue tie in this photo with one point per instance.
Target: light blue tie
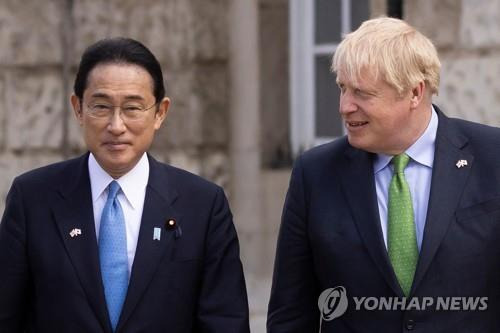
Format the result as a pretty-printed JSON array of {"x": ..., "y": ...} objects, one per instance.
[{"x": 113, "y": 254}]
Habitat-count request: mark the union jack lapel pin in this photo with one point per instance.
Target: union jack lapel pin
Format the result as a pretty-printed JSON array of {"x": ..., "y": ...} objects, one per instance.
[{"x": 75, "y": 232}]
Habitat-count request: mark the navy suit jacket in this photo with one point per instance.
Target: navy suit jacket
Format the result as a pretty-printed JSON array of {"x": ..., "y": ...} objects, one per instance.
[
  {"x": 189, "y": 281},
  {"x": 330, "y": 236}
]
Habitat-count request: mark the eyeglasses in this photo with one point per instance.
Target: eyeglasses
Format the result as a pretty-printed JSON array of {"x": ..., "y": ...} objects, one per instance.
[{"x": 129, "y": 111}]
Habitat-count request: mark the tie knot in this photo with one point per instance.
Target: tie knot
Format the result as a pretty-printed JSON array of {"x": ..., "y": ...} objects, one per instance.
[
  {"x": 400, "y": 162},
  {"x": 113, "y": 189}
]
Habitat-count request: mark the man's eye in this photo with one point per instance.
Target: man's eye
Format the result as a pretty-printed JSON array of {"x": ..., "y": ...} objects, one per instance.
[
  {"x": 361, "y": 93},
  {"x": 101, "y": 107},
  {"x": 132, "y": 108}
]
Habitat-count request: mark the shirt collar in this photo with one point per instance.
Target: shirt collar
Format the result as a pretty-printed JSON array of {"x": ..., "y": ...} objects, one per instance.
[
  {"x": 131, "y": 183},
  {"x": 422, "y": 151}
]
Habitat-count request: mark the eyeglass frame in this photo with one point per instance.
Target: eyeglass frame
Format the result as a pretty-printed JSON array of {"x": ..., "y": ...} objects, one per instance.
[{"x": 121, "y": 110}]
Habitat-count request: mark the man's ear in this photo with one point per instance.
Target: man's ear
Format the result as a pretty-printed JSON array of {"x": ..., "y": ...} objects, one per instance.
[
  {"x": 417, "y": 94},
  {"x": 161, "y": 112},
  {"x": 77, "y": 108}
]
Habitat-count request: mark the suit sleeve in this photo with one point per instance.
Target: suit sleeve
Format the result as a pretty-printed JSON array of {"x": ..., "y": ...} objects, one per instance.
[
  {"x": 14, "y": 273},
  {"x": 293, "y": 303},
  {"x": 223, "y": 305}
]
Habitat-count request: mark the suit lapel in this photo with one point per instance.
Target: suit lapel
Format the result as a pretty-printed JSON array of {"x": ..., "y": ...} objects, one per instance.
[
  {"x": 149, "y": 253},
  {"x": 75, "y": 211},
  {"x": 448, "y": 182},
  {"x": 359, "y": 188}
]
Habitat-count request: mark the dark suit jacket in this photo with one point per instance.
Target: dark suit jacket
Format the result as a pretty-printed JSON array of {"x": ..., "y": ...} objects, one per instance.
[
  {"x": 330, "y": 236},
  {"x": 189, "y": 281}
]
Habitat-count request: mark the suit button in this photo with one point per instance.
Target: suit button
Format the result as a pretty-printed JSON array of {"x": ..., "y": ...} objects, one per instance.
[{"x": 410, "y": 325}]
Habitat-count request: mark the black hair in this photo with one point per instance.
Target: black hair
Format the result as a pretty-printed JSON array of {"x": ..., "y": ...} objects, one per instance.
[{"x": 119, "y": 50}]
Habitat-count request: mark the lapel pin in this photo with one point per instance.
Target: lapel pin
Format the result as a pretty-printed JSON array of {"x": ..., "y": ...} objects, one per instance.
[
  {"x": 156, "y": 234},
  {"x": 461, "y": 163},
  {"x": 75, "y": 232},
  {"x": 171, "y": 224}
]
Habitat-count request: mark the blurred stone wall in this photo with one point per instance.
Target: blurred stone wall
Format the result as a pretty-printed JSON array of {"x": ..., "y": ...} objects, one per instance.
[
  {"x": 31, "y": 87},
  {"x": 467, "y": 35},
  {"x": 40, "y": 46},
  {"x": 274, "y": 96}
]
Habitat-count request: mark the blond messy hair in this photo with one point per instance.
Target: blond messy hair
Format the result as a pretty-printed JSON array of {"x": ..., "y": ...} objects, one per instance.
[{"x": 391, "y": 49}]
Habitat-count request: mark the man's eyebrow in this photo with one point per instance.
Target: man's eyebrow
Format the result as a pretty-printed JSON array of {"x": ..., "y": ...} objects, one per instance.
[
  {"x": 127, "y": 97},
  {"x": 134, "y": 97},
  {"x": 100, "y": 95}
]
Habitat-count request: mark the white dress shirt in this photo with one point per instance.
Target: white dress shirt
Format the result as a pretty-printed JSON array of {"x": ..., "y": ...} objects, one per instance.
[
  {"x": 131, "y": 198},
  {"x": 418, "y": 174}
]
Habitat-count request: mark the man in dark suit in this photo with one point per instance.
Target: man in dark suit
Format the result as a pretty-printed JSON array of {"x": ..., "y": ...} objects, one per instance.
[
  {"x": 114, "y": 241},
  {"x": 405, "y": 208}
]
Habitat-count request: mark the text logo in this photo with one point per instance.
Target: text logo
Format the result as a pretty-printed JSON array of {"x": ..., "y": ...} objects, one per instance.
[{"x": 332, "y": 303}]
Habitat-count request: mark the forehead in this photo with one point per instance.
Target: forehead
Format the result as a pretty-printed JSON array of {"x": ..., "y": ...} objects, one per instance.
[
  {"x": 116, "y": 78},
  {"x": 355, "y": 77},
  {"x": 364, "y": 78}
]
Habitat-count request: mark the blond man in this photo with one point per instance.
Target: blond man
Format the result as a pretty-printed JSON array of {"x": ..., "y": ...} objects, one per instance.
[{"x": 395, "y": 226}]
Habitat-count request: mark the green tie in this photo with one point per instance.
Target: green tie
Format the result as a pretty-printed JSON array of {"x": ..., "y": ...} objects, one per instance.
[{"x": 401, "y": 239}]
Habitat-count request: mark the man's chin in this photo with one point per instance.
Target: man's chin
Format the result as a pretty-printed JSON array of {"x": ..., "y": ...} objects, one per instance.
[
  {"x": 116, "y": 163},
  {"x": 362, "y": 145},
  {"x": 117, "y": 170},
  {"x": 355, "y": 142}
]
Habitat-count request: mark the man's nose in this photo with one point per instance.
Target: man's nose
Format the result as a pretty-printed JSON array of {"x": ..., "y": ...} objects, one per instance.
[
  {"x": 347, "y": 103},
  {"x": 116, "y": 124}
]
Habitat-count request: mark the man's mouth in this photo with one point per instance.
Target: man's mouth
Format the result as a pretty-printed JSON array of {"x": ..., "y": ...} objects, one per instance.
[
  {"x": 353, "y": 124},
  {"x": 116, "y": 145}
]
